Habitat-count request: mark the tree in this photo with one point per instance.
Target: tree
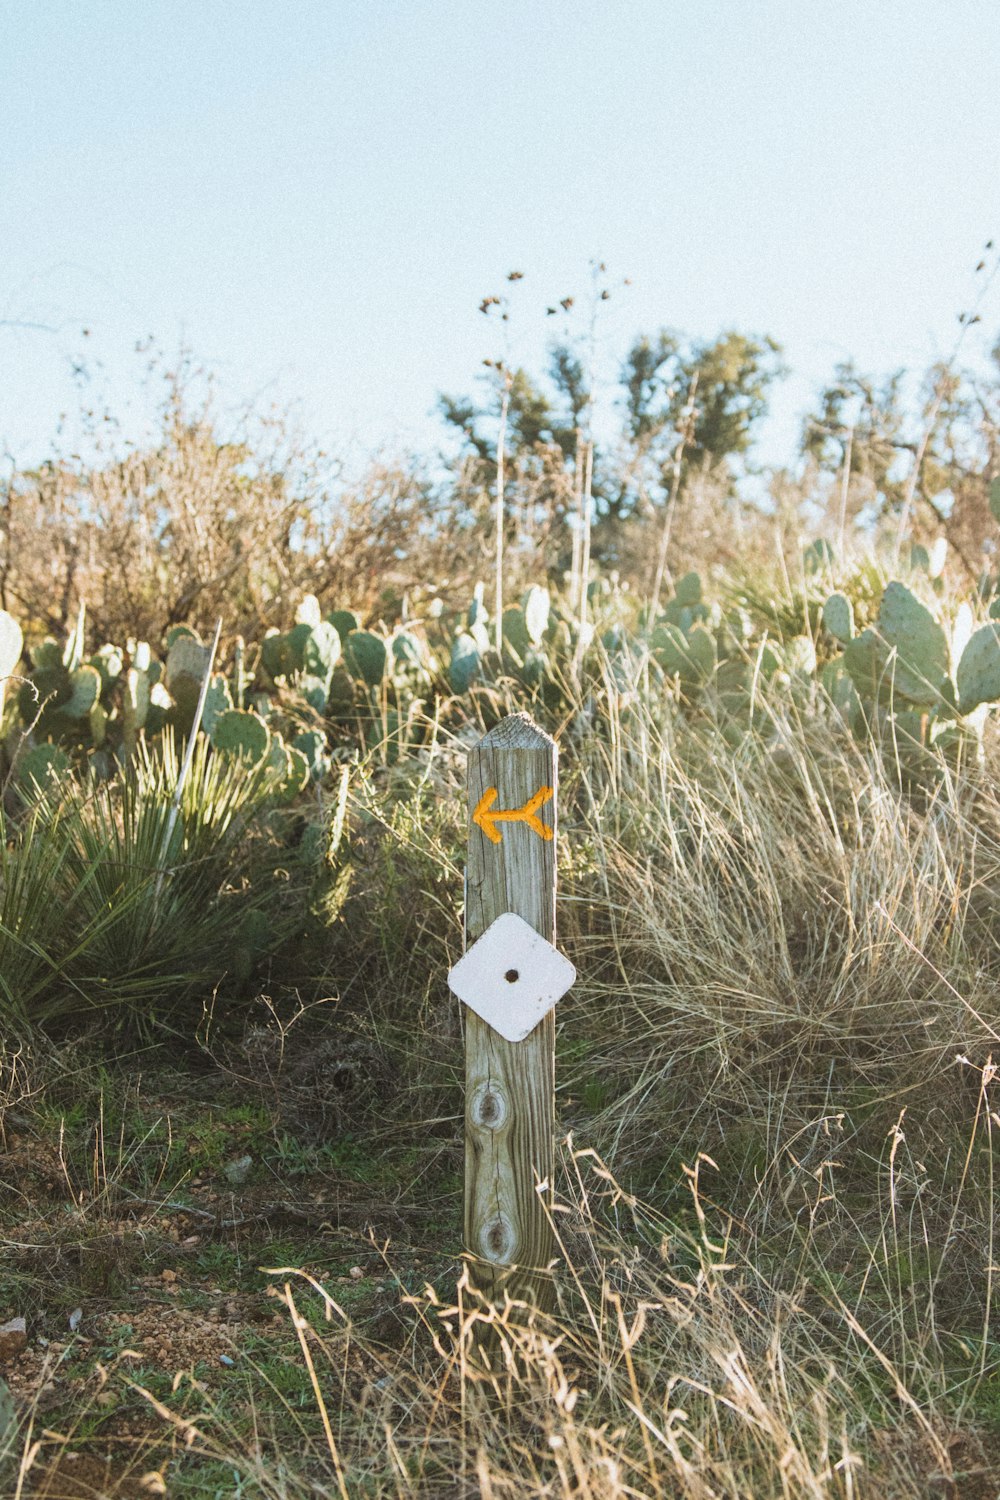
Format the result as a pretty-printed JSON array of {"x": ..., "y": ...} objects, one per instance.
[
  {"x": 531, "y": 422},
  {"x": 858, "y": 429},
  {"x": 634, "y": 478},
  {"x": 735, "y": 374}
]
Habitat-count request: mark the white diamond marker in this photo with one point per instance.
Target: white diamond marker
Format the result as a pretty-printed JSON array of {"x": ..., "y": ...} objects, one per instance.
[{"x": 511, "y": 977}]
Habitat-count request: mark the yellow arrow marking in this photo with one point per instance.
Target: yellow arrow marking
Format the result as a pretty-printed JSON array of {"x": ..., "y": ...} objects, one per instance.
[{"x": 487, "y": 820}]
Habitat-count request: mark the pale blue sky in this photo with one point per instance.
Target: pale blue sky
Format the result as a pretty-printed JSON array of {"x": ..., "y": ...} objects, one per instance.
[{"x": 315, "y": 196}]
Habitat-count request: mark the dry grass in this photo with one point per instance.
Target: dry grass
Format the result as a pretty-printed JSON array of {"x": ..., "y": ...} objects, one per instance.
[
  {"x": 674, "y": 1366},
  {"x": 782, "y": 1042}
]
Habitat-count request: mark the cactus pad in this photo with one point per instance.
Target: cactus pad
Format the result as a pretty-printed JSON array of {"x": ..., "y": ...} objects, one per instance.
[
  {"x": 243, "y": 734},
  {"x": 187, "y": 660},
  {"x": 308, "y": 612},
  {"x": 218, "y": 700},
  {"x": 690, "y": 657},
  {"x": 277, "y": 655},
  {"x": 536, "y": 608},
  {"x": 41, "y": 769},
  {"x": 906, "y": 657},
  {"x": 290, "y": 767},
  {"x": 85, "y": 689},
  {"x": 366, "y": 656},
  {"x": 838, "y": 617},
  {"x": 343, "y": 621},
  {"x": 978, "y": 676},
  {"x": 818, "y": 555},
  {"x": 407, "y": 652},
  {"x": 321, "y": 650},
  {"x": 312, "y": 745},
  {"x": 687, "y": 590},
  {"x": 466, "y": 661},
  {"x": 11, "y": 643},
  {"x": 515, "y": 631}
]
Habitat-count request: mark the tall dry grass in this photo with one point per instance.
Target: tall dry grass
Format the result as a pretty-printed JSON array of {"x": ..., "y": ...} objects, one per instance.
[
  {"x": 782, "y": 1044},
  {"x": 783, "y": 1040}
]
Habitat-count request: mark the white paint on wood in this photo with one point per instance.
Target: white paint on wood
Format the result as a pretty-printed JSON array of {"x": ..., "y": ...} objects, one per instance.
[{"x": 511, "y": 977}]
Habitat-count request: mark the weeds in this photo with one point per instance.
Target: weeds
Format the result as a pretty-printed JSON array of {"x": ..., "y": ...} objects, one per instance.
[{"x": 782, "y": 1043}]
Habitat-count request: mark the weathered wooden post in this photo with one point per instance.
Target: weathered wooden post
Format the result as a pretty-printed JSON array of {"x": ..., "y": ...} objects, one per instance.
[{"x": 510, "y": 979}]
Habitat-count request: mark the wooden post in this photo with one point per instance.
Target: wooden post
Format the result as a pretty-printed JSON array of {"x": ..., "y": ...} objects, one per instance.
[{"x": 510, "y": 1085}]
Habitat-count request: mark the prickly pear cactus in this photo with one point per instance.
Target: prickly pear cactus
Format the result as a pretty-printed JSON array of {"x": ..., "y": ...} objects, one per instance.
[
  {"x": 687, "y": 590},
  {"x": 135, "y": 701},
  {"x": 480, "y": 634},
  {"x": 73, "y": 650},
  {"x": 689, "y": 657},
  {"x": 685, "y": 608},
  {"x": 187, "y": 661},
  {"x": 477, "y": 608},
  {"x": 240, "y": 681},
  {"x": 321, "y": 651},
  {"x": 277, "y": 655},
  {"x": 314, "y": 690},
  {"x": 838, "y": 617},
  {"x": 466, "y": 662},
  {"x": 11, "y": 644},
  {"x": 42, "y": 695},
  {"x": 48, "y": 656},
  {"x": 536, "y": 607},
  {"x": 366, "y": 657},
  {"x": 304, "y": 657},
  {"x": 41, "y": 769},
  {"x": 85, "y": 688},
  {"x": 97, "y": 721},
  {"x": 836, "y": 682},
  {"x": 240, "y": 733},
  {"x": 343, "y": 621},
  {"x": 289, "y": 767},
  {"x": 218, "y": 701},
  {"x": 312, "y": 746},
  {"x": 516, "y": 636},
  {"x": 905, "y": 656},
  {"x": 978, "y": 675},
  {"x": 109, "y": 661},
  {"x": 817, "y": 556},
  {"x": 177, "y": 633},
  {"x": 308, "y": 612}
]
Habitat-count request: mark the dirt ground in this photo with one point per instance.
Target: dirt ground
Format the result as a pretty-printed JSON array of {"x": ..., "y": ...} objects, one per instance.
[{"x": 140, "y": 1253}]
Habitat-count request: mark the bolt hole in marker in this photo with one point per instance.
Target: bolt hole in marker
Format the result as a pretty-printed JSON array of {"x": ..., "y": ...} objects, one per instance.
[{"x": 511, "y": 977}]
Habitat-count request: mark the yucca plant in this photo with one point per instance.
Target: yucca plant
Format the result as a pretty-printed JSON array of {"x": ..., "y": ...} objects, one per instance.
[
  {"x": 109, "y": 903},
  {"x": 32, "y": 881}
]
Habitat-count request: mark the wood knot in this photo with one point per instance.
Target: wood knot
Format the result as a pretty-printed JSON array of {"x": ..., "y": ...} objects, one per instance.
[
  {"x": 488, "y": 1107},
  {"x": 497, "y": 1240}
]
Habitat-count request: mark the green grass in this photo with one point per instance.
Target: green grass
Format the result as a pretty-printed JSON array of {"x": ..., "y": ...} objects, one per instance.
[{"x": 778, "y": 1125}]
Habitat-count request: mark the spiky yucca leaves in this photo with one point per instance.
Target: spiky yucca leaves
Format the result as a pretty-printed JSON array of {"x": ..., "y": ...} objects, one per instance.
[
  {"x": 103, "y": 907},
  {"x": 32, "y": 936},
  {"x": 793, "y": 605},
  {"x": 175, "y": 904}
]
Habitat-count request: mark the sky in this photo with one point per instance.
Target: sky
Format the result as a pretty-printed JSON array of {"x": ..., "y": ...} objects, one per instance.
[{"x": 313, "y": 196}]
